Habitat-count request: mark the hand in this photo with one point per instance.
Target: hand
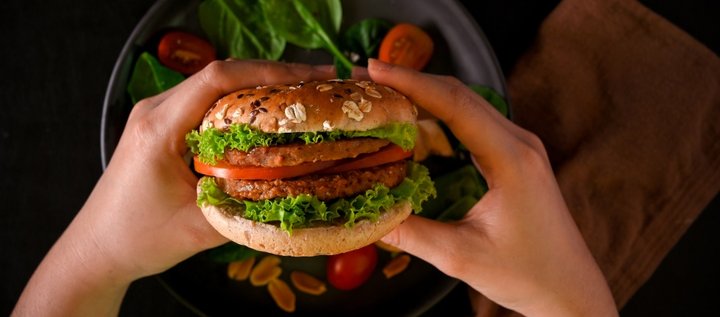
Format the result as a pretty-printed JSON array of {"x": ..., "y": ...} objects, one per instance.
[
  {"x": 141, "y": 218},
  {"x": 519, "y": 245}
]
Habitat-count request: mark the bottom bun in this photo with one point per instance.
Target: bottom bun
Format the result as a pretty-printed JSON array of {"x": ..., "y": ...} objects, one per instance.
[{"x": 322, "y": 240}]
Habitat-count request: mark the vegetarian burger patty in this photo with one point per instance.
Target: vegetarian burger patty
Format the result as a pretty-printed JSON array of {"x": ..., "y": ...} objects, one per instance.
[
  {"x": 298, "y": 153},
  {"x": 325, "y": 187}
]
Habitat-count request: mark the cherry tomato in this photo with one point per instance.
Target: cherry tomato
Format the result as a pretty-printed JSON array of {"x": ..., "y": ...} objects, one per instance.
[
  {"x": 185, "y": 52},
  {"x": 406, "y": 45},
  {"x": 349, "y": 270}
]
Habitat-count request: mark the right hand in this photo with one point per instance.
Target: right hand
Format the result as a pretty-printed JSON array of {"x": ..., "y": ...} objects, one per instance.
[{"x": 519, "y": 245}]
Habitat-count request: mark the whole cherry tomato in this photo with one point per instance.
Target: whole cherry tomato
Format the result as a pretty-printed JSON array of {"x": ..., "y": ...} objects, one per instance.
[
  {"x": 185, "y": 52},
  {"x": 406, "y": 45},
  {"x": 349, "y": 270}
]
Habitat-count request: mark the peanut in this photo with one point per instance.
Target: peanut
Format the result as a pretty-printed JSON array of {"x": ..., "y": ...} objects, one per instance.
[
  {"x": 396, "y": 265},
  {"x": 307, "y": 283},
  {"x": 240, "y": 270},
  {"x": 282, "y": 295},
  {"x": 265, "y": 271}
]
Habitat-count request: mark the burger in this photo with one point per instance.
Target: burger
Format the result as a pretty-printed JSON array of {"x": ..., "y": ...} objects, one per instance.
[{"x": 312, "y": 168}]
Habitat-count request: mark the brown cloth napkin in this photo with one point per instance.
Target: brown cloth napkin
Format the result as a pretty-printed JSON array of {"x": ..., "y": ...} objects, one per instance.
[{"x": 628, "y": 107}]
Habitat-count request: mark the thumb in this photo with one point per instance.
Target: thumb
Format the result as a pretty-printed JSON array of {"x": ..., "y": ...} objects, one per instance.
[{"x": 433, "y": 241}]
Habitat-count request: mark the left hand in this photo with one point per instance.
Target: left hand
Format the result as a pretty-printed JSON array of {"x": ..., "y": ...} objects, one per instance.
[
  {"x": 141, "y": 217},
  {"x": 143, "y": 211}
]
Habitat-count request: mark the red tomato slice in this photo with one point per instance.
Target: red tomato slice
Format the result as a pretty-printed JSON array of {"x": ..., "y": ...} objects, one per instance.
[
  {"x": 388, "y": 154},
  {"x": 185, "y": 52},
  {"x": 349, "y": 270},
  {"x": 406, "y": 45},
  {"x": 225, "y": 170}
]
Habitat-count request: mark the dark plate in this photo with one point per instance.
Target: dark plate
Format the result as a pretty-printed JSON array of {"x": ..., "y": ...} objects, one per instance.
[{"x": 461, "y": 51}]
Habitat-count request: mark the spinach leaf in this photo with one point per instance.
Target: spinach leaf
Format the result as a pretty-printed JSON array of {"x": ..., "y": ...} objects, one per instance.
[
  {"x": 150, "y": 78},
  {"x": 362, "y": 40},
  {"x": 238, "y": 29},
  {"x": 493, "y": 97},
  {"x": 455, "y": 191},
  {"x": 231, "y": 252},
  {"x": 309, "y": 24}
]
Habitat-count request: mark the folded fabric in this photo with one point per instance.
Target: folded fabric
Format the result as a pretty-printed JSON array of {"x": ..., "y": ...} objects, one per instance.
[{"x": 628, "y": 107}]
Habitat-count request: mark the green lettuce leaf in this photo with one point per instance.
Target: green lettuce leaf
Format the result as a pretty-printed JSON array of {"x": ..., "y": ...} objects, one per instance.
[
  {"x": 305, "y": 210},
  {"x": 211, "y": 144}
]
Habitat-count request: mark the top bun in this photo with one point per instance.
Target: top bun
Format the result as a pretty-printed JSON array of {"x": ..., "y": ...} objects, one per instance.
[{"x": 348, "y": 105}]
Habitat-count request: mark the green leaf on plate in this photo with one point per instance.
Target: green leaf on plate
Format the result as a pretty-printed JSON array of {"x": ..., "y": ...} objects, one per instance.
[
  {"x": 238, "y": 29},
  {"x": 150, "y": 78},
  {"x": 362, "y": 40},
  {"x": 455, "y": 191},
  {"x": 309, "y": 24},
  {"x": 231, "y": 252},
  {"x": 493, "y": 97}
]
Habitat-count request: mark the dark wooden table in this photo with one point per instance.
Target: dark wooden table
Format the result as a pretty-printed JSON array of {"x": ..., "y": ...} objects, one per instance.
[{"x": 55, "y": 61}]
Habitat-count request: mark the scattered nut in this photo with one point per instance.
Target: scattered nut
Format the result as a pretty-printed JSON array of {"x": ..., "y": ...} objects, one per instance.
[
  {"x": 240, "y": 270},
  {"x": 387, "y": 247},
  {"x": 265, "y": 271},
  {"x": 352, "y": 110},
  {"x": 296, "y": 113},
  {"x": 396, "y": 265},
  {"x": 282, "y": 295},
  {"x": 307, "y": 283}
]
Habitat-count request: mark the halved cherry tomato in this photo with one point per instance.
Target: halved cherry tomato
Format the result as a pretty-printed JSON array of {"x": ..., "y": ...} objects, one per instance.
[
  {"x": 390, "y": 153},
  {"x": 406, "y": 45},
  {"x": 185, "y": 52},
  {"x": 224, "y": 170},
  {"x": 349, "y": 270}
]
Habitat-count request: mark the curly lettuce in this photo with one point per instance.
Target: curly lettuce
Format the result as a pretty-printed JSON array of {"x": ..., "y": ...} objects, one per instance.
[
  {"x": 211, "y": 144},
  {"x": 306, "y": 210}
]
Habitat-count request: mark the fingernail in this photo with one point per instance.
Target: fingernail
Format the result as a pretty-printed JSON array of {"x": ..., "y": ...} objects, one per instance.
[
  {"x": 324, "y": 68},
  {"x": 376, "y": 64}
]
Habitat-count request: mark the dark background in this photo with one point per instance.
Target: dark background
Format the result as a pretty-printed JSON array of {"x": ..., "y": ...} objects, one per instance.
[{"x": 55, "y": 61}]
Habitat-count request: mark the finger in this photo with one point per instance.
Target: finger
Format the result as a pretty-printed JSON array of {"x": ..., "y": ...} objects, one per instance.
[
  {"x": 360, "y": 73},
  {"x": 183, "y": 110},
  {"x": 473, "y": 121},
  {"x": 197, "y": 232},
  {"x": 430, "y": 240}
]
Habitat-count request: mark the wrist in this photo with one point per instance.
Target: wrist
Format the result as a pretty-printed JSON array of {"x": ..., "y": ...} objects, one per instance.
[{"x": 72, "y": 281}]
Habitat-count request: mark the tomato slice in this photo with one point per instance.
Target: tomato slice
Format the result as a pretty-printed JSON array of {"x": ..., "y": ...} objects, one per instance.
[
  {"x": 406, "y": 45},
  {"x": 387, "y": 154},
  {"x": 349, "y": 270},
  {"x": 224, "y": 170},
  {"x": 185, "y": 52}
]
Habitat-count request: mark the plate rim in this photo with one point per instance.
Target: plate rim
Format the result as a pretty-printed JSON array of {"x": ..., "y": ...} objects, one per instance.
[{"x": 114, "y": 88}]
